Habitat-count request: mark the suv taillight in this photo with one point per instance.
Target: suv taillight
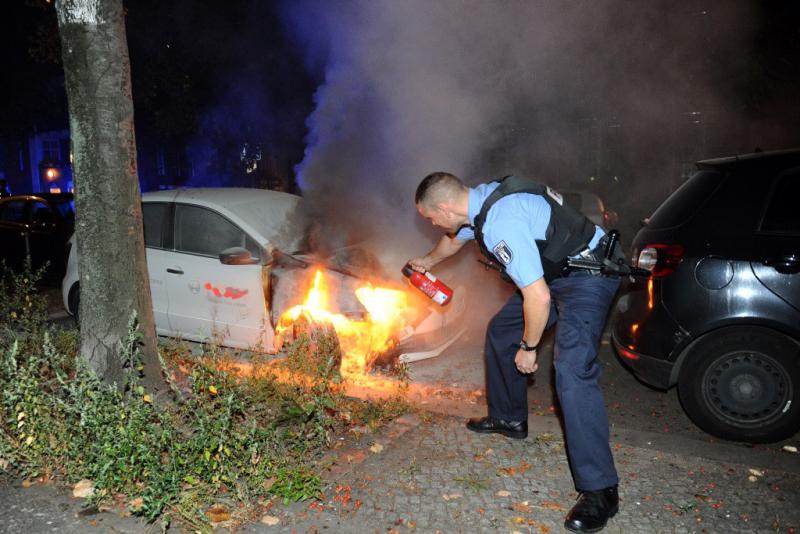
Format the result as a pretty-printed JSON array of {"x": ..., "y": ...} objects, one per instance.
[{"x": 660, "y": 259}]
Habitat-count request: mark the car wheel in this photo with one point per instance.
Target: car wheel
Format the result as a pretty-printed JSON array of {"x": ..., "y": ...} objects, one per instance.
[
  {"x": 74, "y": 300},
  {"x": 743, "y": 385}
]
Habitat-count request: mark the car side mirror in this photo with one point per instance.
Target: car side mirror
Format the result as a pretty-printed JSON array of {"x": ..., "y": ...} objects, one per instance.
[{"x": 237, "y": 256}]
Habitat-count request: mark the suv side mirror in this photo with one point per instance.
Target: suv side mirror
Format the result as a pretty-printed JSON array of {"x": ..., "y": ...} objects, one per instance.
[{"x": 237, "y": 256}]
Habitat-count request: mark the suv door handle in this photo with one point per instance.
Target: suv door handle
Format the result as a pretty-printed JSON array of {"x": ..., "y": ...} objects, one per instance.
[
  {"x": 788, "y": 264},
  {"x": 175, "y": 271}
]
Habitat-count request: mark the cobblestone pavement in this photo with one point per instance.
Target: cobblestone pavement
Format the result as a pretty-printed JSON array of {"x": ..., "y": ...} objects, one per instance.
[
  {"x": 428, "y": 473},
  {"x": 435, "y": 475}
]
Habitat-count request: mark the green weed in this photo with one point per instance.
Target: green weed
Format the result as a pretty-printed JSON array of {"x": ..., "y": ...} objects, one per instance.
[{"x": 219, "y": 436}]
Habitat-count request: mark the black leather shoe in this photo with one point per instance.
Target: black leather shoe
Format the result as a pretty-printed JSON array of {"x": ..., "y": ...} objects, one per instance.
[
  {"x": 510, "y": 429},
  {"x": 593, "y": 510}
]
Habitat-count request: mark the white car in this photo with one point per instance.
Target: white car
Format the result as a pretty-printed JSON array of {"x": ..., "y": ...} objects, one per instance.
[{"x": 222, "y": 267}]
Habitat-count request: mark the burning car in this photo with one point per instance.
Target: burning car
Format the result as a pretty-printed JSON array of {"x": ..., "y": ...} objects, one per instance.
[{"x": 229, "y": 265}]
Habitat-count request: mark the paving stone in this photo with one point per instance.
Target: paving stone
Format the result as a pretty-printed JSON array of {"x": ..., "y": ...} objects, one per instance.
[{"x": 660, "y": 491}]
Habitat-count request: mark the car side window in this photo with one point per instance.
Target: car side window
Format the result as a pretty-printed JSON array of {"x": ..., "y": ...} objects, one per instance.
[
  {"x": 66, "y": 208},
  {"x": 154, "y": 215},
  {"x": 42, "y": 214},
  {"x": 782, "y": 215},
  {"x": 13, "y": 211},
  {"x": 202, "y": 231}
]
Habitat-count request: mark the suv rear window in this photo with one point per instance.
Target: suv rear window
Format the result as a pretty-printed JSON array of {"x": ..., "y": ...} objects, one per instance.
[{"x": 684, "y": 201}]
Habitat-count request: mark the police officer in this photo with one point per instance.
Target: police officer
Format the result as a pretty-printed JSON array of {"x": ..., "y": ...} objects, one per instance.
[{"x": 527, "y": 229}]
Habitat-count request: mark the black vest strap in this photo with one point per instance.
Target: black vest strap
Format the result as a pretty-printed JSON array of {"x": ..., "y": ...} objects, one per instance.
[{"x": 568, "y": 232}]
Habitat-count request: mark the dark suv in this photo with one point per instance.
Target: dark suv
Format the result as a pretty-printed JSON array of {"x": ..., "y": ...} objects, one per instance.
[
  {"x": 720, "y": 314},
  {"x": 37, "y": 227}
]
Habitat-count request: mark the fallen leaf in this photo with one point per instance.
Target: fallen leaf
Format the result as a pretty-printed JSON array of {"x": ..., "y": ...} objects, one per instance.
[
  {"x": 451, "y": 496},
  {"x": 377, "y": 448},
  {"x": 83, "y": 489},
  {"x": 268, "y": 483},
  {"x": 270, "y": 520},
  {"x": 148, "y": 399},
  {"x": 27, "y": 483},
  {"x": 507, "y": 471},
  {"x": 503, "y": 493},
  {"x": 756, "y": 472},
  {"x": 521, "y": 507},
  {"x": 752, "y": 478},
  {"x": 411, "y": 524},
  {"x": 136, "y": 504},
  {"x": 218, "y": 514},
  {"x": 550, "y": 505},
  {"x": 790, "y": 448}
]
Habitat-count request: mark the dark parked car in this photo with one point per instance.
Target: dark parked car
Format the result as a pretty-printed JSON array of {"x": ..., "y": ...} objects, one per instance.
[
  {"x": 38, "y": 227},
  {"x": 720, "y": 314}
]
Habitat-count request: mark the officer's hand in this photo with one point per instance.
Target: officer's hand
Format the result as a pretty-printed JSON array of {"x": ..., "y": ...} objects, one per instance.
[
  {"x": 525, "y": 361},
  {"x": 422, "y": 264}
]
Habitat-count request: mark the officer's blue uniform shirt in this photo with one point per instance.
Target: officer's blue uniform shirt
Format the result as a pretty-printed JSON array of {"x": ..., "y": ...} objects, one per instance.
[{"x": 511, "y": 229}]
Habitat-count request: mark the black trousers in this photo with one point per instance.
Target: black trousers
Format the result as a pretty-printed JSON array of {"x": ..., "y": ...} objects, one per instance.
[{"x": 580, "y": 304}]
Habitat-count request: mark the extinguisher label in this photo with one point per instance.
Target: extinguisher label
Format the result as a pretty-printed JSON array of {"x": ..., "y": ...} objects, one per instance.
[
  {"x": 439, "y": 298},
  {"x": 429, "y": 289}
]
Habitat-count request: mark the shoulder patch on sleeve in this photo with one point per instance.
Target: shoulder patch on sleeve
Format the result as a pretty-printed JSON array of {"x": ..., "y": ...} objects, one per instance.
[{"x": 503, "y": 252}]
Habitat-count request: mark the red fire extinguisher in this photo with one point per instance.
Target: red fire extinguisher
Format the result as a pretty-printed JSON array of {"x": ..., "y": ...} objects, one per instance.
[{"x": 428, "y": 284}]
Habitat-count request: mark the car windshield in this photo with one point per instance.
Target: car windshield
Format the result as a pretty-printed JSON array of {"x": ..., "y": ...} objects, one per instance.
[
  {"x": 65, "y": 208},
  {"x": 684, "y": 202}
]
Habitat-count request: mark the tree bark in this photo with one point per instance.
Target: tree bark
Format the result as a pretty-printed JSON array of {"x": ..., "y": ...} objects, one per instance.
[{"x": 114, "y": 279}]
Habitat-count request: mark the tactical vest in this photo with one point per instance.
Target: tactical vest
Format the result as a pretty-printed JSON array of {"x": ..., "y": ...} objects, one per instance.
[{"x": 568, "y": 233}]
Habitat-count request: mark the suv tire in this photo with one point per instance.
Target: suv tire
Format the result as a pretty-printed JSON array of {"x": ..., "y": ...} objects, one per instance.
[{"x": 743, "y": 385}]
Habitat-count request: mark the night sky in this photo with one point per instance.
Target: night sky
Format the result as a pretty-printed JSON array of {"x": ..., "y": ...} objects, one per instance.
[{"x": 203, "y": 72}]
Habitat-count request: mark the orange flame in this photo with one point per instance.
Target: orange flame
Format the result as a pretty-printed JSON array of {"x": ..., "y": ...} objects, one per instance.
[{"x": 361, "y": 341}]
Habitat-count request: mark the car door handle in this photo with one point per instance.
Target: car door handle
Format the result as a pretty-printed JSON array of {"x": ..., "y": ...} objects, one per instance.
[
  {"x": 788, "y": 264},
  {"x": 175, "y": 271}
]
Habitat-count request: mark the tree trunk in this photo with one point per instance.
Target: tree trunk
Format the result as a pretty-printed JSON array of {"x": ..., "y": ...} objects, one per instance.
[{"x": 114, "y": 280}]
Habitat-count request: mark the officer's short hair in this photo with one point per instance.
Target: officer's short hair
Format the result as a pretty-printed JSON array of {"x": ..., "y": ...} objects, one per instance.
[{"x": 438, "y": 186}]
